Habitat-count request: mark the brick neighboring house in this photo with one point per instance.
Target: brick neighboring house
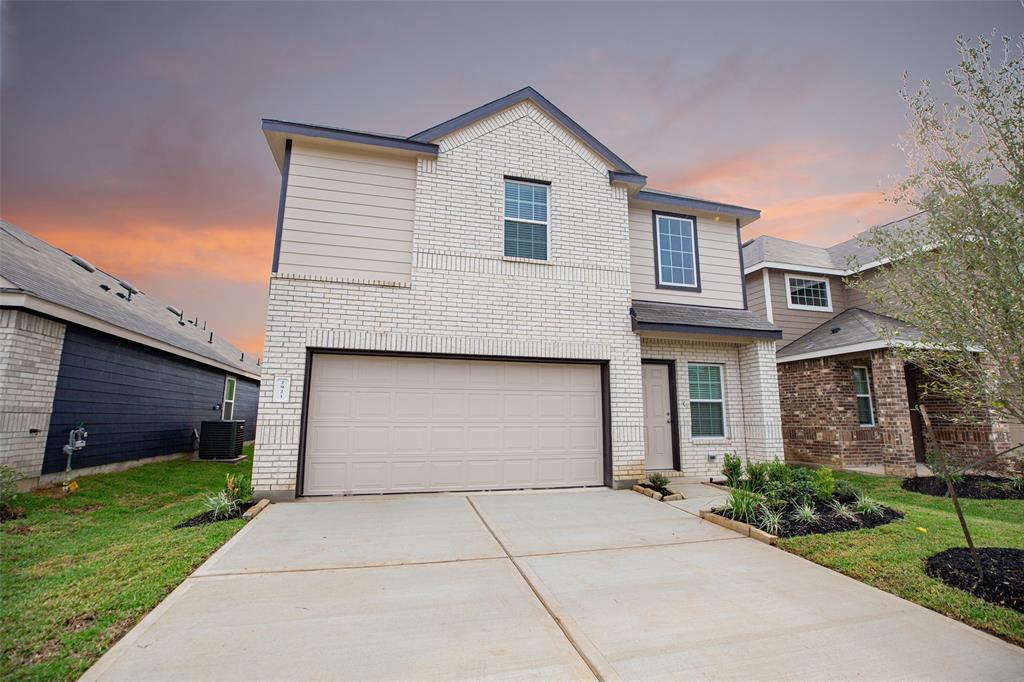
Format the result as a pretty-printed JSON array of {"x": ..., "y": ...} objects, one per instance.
[
  {"x": 846, "y": 400},
  {"x": 499, "y": 302}
]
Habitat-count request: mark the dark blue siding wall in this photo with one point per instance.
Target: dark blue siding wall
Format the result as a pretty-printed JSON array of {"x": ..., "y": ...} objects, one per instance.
[{"x": 135, "y": 401}]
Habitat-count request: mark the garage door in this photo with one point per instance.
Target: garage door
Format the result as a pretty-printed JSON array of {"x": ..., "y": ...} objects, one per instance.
[{"x": 400, "y": 424}]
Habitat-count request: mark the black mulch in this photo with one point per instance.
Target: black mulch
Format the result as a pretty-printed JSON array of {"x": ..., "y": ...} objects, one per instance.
[
  {"x": 657, "y": 488},
  {"x": 972, "y": 487},
  {"x": 208, "y": 517},
  {"x": 1003, "y": 569},
  {"x": 11, "y": 513},
  {"x": 828, "y": 523}
]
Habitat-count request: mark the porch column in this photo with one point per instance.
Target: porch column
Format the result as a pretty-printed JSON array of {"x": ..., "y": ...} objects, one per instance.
[
  {"x": 762, "y": 415},
  {"x": 892, "y": 413}
]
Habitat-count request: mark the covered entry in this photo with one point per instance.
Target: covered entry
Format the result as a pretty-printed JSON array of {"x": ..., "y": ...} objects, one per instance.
[{"x": 389, "y": 423}]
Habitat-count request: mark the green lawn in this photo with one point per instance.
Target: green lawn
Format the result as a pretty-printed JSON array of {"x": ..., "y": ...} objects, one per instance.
[
  {"x": 891, "y": 557},
  {"x": 78, "y": 572}
]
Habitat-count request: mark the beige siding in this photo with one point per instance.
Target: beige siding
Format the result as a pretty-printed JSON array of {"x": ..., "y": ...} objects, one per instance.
[
  {"x": 718, "y": 257},
  {"x": 856, "y": 299},
  {"x": 794, "y": 323},
  {"x": 755, "y": 295},
  {"x": 348, "y": 214}
]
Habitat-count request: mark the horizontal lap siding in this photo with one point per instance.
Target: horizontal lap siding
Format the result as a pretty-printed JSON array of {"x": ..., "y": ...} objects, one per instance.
[
  {"x": 134, "y": 401},
  {"x": 348, "y": 215},
  {"x": 796, "y": 323},
  {"x": 718, "y": 255}
]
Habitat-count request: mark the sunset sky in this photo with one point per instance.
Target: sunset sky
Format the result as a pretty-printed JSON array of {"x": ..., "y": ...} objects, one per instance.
[{"x": 130, "y": 132}]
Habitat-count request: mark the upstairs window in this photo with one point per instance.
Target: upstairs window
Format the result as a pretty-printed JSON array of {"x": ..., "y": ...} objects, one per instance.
[
  {"x": 526, "y": 220},
  {"x": 707, "y": 405},
  {"x": 675, "y": 244},
  {"x": 862, "y": 388},
  {"x": 808, "y": 293}
]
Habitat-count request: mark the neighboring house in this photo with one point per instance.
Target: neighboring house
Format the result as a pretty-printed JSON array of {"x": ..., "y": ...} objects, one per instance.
[
  {"x": 80, "y": 347},
  {"x": 497, "y": 302},
  {"x": 847, "y": 400}
]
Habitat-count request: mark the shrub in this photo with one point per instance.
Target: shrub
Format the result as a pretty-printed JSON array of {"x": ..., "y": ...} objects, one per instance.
[
  {"x": 743, "y": 505},
  {"x": 757, "y": 475},
  {"x": 1017, "y": 484},
  {"x": 770, "y": 520},
  {"x": 8, "y": 487},
  {"x": 779, "y": 472},
  {"x": 658, "y": 480},
  {"x": 805, "y": 513},
  {"x": 238, "y": 487},
  {"x": 824, "y": 484},
  {"x": 845, "y": 491},
  {"x": 222, "y": 505},
  {"x": 866, "y": 506},
  {"x": 841, "y": 511},
  {"x": 732, "y": 469}
]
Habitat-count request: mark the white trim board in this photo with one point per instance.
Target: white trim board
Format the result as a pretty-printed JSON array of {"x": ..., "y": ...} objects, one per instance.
[
  {"x": 32, "y": 303},
  {"x": 859, "y": 347},
  {"x": 768, "y": 296}
]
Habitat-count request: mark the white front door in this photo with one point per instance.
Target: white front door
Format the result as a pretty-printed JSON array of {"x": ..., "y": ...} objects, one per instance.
[{"x": 657, "y": 416}]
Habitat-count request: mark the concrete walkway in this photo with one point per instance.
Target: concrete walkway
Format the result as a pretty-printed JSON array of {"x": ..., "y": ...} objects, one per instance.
[{"x": 551, "y": 586}]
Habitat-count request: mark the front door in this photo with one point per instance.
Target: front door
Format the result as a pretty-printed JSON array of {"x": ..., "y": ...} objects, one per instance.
[{"x": 658, "y": 415}]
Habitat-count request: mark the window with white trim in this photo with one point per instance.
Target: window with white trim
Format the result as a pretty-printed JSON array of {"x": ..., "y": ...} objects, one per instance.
[
  {"x": 526, "y": 220},
  {"x": 676, "y": 245},
  {"x": 808, "y": 293},
  {"x": 862, "y": 389},
  {"x": 228, "y": 405},
  {"x": 707, "y": 403}
]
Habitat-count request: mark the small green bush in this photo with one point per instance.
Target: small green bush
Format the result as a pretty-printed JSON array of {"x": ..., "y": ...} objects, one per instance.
[
  {"x": 844, "y": 491},
  {"x": 238, "y": 487},
  {"x": 1017, "y": 484},
  {"x": 805, "y": 513},
  {"x": 222, "y": 505},
  {"x": 824, "y": 484},
  {"x": 658, "y": 480},
  {"x": 866, "y": 506},
  {"x": 757, "y": 475},
  {"x": 732, "y": 469},
  {"x": 8, "y": 487},
  {"x": 841, "y": 511},
  {"x": 743, "y": 505},
  {"x": 779, "y": 472}
]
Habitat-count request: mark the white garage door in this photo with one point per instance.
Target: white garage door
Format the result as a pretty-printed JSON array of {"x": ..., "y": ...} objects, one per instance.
[{"x": 400, "y": 424}]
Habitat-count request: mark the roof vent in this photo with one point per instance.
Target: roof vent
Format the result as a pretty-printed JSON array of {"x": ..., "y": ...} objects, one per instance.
[
  {"x": 835, "y": 330},
  {"x": 105, "y": 287},
  {"x": 82, "y": 263},
  {"x": 129, "y": 287},
  {"x": 120, "y": 295},
  {"x": 174, "y": 311},
  {"x": 181, "y": 322},
  {"x": 211, "y": 337}
]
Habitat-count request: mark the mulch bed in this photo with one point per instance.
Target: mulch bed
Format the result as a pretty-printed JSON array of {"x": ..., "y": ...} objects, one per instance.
[
  {"x": 972, "y": 487},
  {"x": 832, "y": 524},
  {"x": 656, "y": 488},
  {"x": 1003, "y": 568},
  {"x": 11, "y": 513},
  {"x": 208, "y": 517}
]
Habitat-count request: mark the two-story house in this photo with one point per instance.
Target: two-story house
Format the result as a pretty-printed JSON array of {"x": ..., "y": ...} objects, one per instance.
[
  {"x": 847, "y": 400},
  {"x": 498, "y": 302}
]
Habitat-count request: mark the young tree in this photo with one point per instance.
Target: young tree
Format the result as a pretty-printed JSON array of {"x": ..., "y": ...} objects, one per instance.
[{"x": 956, "y": 273}]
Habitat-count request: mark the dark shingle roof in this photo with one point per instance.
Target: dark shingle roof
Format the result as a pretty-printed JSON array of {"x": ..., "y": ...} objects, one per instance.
[
  {"x": 34, "y": 267},
  {"x": 693, "y": 319},
  {"x": 849, "y": 328}
]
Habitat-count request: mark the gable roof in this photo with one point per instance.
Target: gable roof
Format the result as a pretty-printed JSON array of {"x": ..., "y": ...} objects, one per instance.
[
  {"x": 844, "y": 258},
  {"x": 850, "y": 331},
  {"x": 45, "y": 279}
]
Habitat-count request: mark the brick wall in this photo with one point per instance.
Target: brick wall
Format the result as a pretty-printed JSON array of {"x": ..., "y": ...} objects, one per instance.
[
  {"x": 465, "y": 296},
  {"x": 30, "y": 351},
  {"x": 819, "y": 412}
]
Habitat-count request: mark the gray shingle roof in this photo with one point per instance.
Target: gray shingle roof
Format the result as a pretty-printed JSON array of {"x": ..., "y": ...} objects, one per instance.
[
  {"x": 651, "y": 316},
  {"x": 44, "y": 271},
  {"x": 846, "y": 256},
  {"x": 848, "y": 328}
]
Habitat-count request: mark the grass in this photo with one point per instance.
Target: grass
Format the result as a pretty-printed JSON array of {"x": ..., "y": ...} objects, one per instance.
[
  {"x": 891, "y": 557},
  {"x": 78, "y": 572}
]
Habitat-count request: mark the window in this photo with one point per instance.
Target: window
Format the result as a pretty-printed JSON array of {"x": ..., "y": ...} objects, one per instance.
[
  {"x": 707, "y": 408},
  {"x": 526, "y": 220},
  {"x": 808, "y": 293},
  {"x": 228, "y": 406},
  {"x": 862, "y": 387},
  {"x": 676, "y": 244}
]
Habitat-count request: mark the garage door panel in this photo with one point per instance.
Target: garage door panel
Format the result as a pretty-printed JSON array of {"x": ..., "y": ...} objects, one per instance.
[{"x": 380, "y": 424}]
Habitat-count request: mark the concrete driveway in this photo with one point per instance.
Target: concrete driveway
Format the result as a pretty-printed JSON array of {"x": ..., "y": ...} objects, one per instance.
[{"x": 547, "y": 586}]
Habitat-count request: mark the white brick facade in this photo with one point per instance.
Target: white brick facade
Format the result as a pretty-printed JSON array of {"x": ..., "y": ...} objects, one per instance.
[
  {"x": 465, "y": 297},
  {"x": 30, "y": 350}
]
